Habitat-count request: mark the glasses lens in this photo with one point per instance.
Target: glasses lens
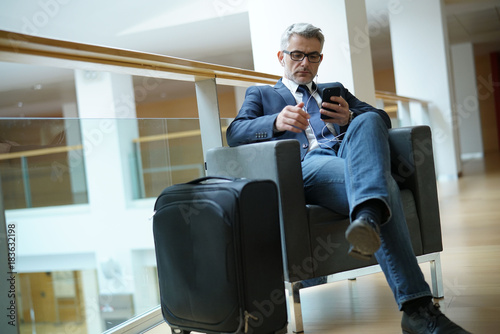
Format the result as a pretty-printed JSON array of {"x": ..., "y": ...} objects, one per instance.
[
  {"x": 296, "y": 55},
  {"x": 314, "y": 57}
]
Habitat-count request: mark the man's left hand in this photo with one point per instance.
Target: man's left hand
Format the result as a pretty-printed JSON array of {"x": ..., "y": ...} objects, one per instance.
[{"x": 341, "y": 113}]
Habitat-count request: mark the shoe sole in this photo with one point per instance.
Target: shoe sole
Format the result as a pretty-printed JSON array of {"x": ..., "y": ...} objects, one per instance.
[
  {"x": 364, "y": 238},
  {"x": 355, "y": 253}
]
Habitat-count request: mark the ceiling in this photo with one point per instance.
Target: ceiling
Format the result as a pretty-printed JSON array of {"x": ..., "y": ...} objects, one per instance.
[{"x": 214, "y": 31}]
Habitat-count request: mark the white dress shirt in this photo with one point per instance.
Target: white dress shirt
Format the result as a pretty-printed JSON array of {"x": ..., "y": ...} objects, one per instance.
[{"x": 292, "y": 86}]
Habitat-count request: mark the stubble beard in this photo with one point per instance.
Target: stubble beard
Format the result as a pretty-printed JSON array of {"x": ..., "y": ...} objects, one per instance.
[{"x": 300, "y": 80}]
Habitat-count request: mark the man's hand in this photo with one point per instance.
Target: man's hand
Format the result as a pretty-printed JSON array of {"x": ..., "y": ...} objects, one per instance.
[
  {"x": 292, "y": 118},
  {"x": 341, "y": 114}
]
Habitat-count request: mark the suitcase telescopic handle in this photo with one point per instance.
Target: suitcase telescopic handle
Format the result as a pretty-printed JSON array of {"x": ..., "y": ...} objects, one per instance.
[{"x": 212, "y": 179}]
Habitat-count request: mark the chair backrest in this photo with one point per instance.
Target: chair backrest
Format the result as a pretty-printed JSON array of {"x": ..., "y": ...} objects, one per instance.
[{"x": 278, "y": 161}]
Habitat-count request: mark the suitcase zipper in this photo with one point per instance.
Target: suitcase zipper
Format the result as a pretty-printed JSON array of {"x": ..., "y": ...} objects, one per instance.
[{"x": 248, "y": 316}]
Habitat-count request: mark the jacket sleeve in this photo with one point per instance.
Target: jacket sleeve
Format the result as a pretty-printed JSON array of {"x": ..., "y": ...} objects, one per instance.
[{"x": 255, "y": 120}]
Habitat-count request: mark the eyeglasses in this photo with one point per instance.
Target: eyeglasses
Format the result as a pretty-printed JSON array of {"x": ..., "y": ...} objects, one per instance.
[{"x": 313, "y": 57}]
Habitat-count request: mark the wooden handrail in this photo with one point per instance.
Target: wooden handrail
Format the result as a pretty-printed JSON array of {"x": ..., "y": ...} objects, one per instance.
[
  {"x": 392, "y": 97},
  {"x": 45, "y": 51},
  {"x": 42, "y": 50},
  {"x": 167, "y": 136},
  {"x": 39, "y": 152},
  {"x": 171, "y": 135}
]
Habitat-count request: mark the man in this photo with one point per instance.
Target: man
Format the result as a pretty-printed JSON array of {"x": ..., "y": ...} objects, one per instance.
[{"x": 345, "y": 166}]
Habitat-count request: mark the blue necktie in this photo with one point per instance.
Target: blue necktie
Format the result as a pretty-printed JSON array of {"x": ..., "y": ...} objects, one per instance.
[{"x": 324, "y": 136}]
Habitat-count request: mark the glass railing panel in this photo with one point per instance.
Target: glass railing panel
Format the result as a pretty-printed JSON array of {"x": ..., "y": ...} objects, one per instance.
[
  {"x": 40, "y": 165},
  {"x": 87, "y": 267},
  {"x": 168, "y": 152}
]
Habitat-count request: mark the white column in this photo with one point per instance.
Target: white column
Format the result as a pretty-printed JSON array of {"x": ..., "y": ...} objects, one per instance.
[
  {"x": 468, "y": 114},
  {"x": 75, "y": 159},
  {"x": 106, "y": 108},
  {"x": 90, "y": 297},
  {"x": 145, "y": 280},
  {"x": 422, "y": 70},
  {"x": 347, "y": 54}
]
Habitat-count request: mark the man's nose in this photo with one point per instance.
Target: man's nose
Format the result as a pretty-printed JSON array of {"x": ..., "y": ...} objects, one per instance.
[{"x": 305, "y": 61}]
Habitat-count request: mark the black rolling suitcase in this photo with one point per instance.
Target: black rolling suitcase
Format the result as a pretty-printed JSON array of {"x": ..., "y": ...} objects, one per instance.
[{"x": 218, "y": 253}]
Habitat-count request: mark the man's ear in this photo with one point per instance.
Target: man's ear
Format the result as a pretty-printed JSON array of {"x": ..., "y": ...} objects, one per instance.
[{"x": 280, "y": 58}]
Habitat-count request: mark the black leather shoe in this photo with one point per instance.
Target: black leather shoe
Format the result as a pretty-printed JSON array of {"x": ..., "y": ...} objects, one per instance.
[
  {"x": 429, "y": 320},
  {"x": 364, "y": 236}
]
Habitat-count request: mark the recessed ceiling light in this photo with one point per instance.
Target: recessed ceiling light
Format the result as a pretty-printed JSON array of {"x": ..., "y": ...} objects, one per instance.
[{"x": 37, "y": 87}]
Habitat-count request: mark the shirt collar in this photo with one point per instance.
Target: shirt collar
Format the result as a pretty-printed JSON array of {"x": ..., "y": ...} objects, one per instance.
[{"x": 292, "y": 86}]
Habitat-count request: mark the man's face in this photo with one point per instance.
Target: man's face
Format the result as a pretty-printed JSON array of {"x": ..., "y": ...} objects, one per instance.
[{"x": 301, "y": 72}]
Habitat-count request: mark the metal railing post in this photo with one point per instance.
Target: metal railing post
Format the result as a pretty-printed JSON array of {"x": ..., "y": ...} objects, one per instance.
[
  {"x": 208, "y": 110},
  {"x": 26, "y": 182}
]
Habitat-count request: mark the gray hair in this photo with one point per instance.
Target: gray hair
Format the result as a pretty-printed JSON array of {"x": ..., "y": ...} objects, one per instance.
[{"x": 306, "y": 30}]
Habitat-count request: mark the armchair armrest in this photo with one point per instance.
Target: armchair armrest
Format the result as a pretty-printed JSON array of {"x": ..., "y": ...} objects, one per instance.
[
  {"x": 278, "y": 161},
  {"x": 413, "y": 168}
]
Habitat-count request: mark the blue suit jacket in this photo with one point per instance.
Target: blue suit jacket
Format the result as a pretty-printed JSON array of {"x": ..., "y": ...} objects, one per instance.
[{"x": 255, "y": 120}]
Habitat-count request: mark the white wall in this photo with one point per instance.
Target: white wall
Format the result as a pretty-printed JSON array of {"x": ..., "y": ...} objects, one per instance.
[{"x": 468, "y": 113}]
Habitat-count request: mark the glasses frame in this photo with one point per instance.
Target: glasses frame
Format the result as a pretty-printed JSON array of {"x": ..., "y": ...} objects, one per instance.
[{"x": 305, "y": 55}]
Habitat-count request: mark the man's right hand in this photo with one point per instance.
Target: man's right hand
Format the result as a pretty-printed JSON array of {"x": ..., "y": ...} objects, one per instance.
[{"x": 292, "y": 118}]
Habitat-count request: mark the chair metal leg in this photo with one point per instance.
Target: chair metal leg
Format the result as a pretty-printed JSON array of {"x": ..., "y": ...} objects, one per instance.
[
  {"x": 434, "y": 260},
  {"x": 294, "y": 307},
  {"x": 437, "y": 277}
]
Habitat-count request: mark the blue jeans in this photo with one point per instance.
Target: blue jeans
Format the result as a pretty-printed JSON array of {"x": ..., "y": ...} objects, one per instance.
[{"x": 361, "y": 170}]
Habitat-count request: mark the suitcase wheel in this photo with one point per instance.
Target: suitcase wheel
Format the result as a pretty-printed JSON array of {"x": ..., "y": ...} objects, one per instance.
[{"x": 180, "y": 331}]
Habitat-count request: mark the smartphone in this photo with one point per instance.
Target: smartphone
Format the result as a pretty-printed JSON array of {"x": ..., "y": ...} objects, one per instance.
[{"x": 327, "y": 93}]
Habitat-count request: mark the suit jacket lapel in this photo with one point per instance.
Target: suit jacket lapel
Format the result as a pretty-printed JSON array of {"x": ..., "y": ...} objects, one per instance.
[{"x": 285, "y": 93}]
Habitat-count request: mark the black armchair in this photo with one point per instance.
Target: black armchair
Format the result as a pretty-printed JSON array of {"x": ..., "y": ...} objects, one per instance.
[{"x": 313, "y": 240}]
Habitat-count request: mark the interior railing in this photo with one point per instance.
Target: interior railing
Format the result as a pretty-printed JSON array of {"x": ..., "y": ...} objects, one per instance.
[
  {"x": 44, "y": 51},
  {"x": 26, "y": 49}
]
